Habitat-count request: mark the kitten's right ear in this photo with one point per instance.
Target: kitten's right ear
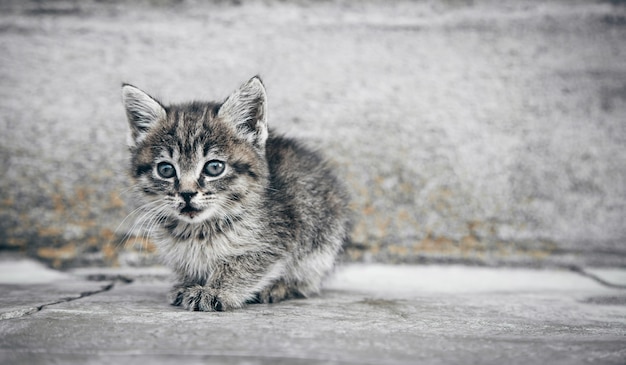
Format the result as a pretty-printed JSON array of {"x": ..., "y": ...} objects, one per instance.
[{"x": 143, "y": 112}]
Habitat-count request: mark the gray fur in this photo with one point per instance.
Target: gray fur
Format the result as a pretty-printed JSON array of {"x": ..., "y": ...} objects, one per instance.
[{"x": 268, "y": 228}]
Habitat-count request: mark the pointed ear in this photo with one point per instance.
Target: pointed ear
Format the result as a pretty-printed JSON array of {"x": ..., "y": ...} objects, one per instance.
[
  {"x": 246, "y": 110},
  {"x": 143, "y": 112}
]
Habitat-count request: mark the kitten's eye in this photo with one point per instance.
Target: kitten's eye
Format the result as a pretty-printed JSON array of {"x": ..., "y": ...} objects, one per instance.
[
  {"x": 166, "y": 170},
  {"x": 214, "y": 168}
]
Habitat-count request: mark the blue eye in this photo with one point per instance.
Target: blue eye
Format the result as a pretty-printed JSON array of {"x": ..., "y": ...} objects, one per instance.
[
  {"x": 166, "y": 170},
  {"x": 214, "y": 168}
]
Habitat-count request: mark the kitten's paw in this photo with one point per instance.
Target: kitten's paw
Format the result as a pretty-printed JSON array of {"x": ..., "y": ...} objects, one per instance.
[
  {"x": 277, "y": 292},
  {"x": 175, "y": 296},
  {"x": 197, "y": 298}
]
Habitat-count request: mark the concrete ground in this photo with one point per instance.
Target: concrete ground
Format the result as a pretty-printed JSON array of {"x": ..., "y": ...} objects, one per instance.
[{"x": 367, "y": 314}]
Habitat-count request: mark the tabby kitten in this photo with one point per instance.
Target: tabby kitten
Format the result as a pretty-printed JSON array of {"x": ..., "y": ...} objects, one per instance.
[{"x": 240, "y": 214}]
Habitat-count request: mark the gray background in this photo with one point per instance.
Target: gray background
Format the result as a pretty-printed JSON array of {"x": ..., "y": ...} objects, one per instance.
[{"x": 487, "y": 132}]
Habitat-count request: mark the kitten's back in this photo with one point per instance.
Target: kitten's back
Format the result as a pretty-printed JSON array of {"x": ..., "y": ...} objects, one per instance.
[{"x": 308, "y": 197}]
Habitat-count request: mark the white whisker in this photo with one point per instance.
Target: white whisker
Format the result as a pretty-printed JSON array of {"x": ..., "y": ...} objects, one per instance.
[
  {"x": 136, "y": 210},
  {"x": 149, "y": 213}
]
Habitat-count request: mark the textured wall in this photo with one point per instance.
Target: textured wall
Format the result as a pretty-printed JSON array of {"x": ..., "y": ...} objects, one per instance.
[{"x": 478, "y": 131}]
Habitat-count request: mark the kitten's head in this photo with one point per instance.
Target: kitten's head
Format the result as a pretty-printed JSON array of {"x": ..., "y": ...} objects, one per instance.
[{"x": 199, "y": 160}]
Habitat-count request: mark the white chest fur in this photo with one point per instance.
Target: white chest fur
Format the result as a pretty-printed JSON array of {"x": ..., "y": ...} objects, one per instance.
[{"x": 194, "y": 250}]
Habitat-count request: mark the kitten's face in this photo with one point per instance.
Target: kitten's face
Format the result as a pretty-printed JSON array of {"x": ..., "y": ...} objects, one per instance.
[{"x": 197, "y": 161}]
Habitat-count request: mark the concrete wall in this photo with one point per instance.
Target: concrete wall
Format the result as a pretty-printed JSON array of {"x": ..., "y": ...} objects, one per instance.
[{"x": 488, "y": 132}]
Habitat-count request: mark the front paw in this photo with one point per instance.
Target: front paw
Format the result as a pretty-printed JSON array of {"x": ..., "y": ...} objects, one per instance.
[{"x": 196, "y": 298}]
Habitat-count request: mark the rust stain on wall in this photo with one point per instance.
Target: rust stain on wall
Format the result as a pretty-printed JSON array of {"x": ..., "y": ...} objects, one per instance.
[
  {"x": 58, "y": 255},
  {"x": 115, "y": 201}
]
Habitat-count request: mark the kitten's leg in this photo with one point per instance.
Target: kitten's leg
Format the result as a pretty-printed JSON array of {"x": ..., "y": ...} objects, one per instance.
[{"x": 231, "y": 285}]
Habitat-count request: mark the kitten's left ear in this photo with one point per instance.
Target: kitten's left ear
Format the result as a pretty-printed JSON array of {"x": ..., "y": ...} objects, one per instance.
[
  {"x": 246, "y": 110},
  {"x": 143, "y": 112}
]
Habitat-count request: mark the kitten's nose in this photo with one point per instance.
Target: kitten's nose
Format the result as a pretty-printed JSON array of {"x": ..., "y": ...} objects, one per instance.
[{"x": 187, "y": 195}]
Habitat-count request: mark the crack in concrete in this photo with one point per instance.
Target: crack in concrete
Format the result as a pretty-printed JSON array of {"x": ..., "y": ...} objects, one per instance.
[
  {"x": 23, "y": 312},
  {"x": 80, "y": 296},
  {"x": 599, "y": 280},
  {"x": 109, "y": 277}
]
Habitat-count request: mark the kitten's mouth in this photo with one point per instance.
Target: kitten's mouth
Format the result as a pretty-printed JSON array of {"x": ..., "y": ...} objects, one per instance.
[{"x": 190, "y": 211}]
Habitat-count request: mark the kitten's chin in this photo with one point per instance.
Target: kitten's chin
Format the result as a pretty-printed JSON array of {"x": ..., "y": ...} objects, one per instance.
[{"x": 194, "y": 215}]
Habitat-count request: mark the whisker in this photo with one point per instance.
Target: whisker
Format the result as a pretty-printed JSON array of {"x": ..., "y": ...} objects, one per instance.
[
  {"x": 138, "y": 230},
  {"x": 136, "y": 210}
]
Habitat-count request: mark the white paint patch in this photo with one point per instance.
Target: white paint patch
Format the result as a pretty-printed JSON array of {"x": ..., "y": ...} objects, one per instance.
[
  {"x": 416, "y": 280},
  {"x": 28, "y": 272}
]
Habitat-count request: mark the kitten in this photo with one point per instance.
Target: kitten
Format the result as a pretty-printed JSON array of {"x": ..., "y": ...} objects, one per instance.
[{"x": 241, "y": 215}]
